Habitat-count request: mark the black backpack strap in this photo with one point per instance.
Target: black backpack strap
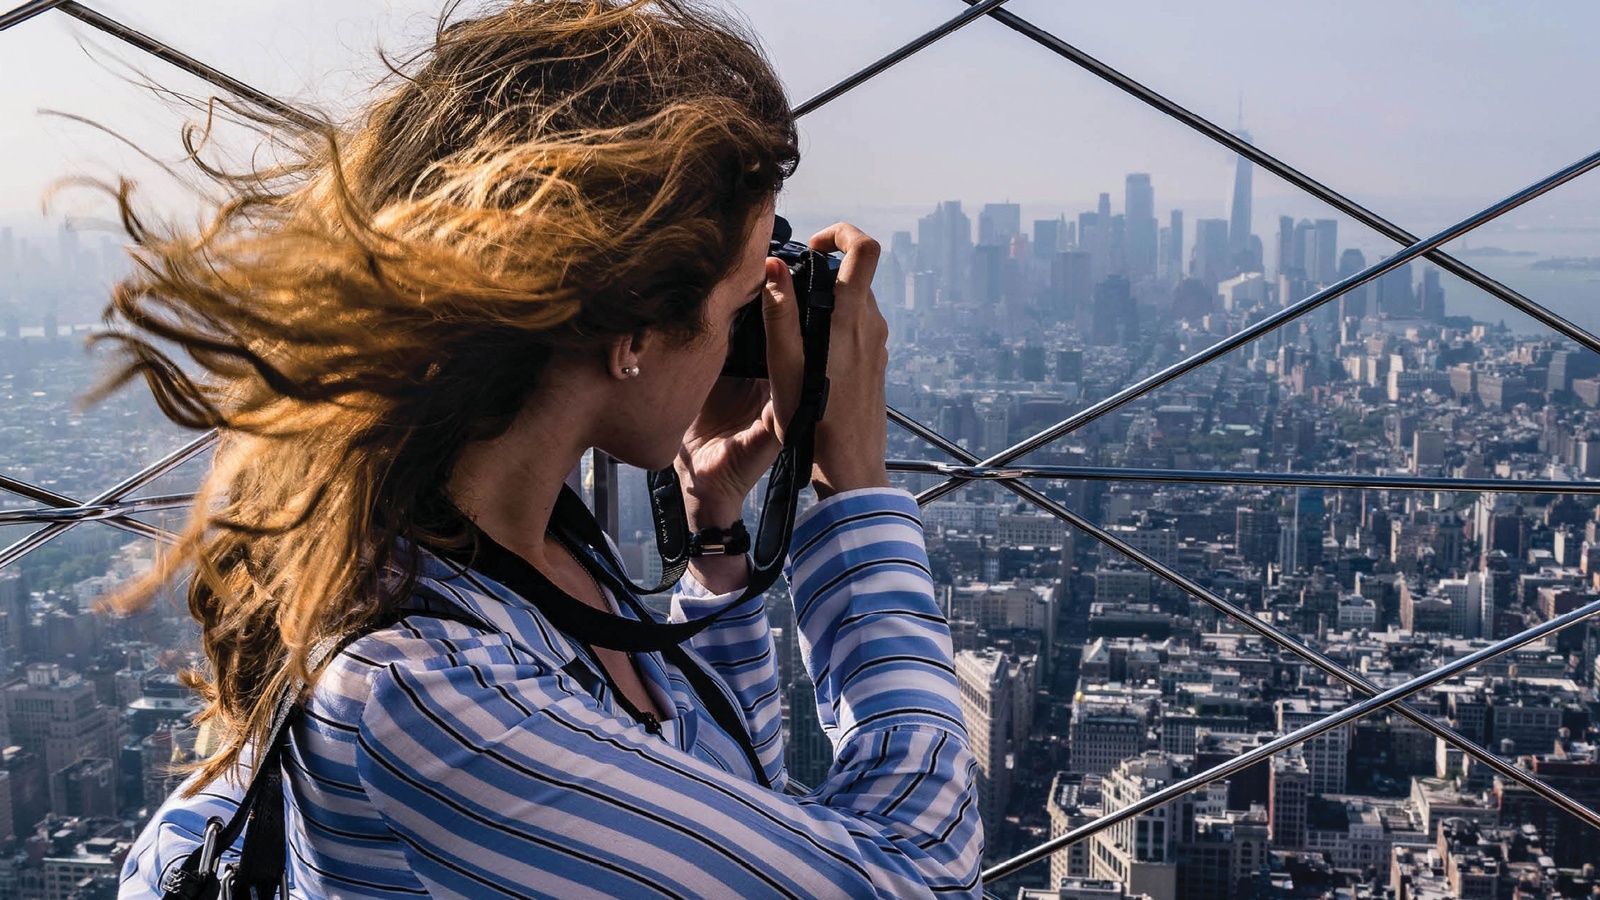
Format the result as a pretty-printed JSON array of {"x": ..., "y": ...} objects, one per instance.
[
  {"x": 265, "y": 850},
  {"x": 263, "y": 860}
]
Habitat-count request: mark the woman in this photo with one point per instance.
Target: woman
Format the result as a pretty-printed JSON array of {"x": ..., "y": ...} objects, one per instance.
[{"x": 535, "y": 245}]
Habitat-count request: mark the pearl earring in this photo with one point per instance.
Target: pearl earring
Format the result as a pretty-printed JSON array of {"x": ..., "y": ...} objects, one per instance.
[{"x": 630, "y": 371}]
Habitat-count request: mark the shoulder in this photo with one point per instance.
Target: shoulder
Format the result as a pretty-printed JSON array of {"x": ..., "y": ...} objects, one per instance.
[{"x": 415, "y": 640}]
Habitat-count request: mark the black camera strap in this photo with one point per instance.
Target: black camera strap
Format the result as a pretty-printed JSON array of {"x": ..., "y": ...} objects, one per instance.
[{"x": 770, "y": 544}]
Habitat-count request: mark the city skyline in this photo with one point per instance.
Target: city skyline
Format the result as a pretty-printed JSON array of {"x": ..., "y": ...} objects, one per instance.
[
  {"x": 1087, "y": 680},
  {"x": 890, "y": 143}
]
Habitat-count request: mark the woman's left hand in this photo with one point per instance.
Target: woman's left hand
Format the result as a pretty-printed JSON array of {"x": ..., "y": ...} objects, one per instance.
[{"x": 726, "y": 450}]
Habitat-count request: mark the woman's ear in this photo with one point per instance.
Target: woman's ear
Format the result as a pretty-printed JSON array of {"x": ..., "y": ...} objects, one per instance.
[{"x": 622, "y": 359}]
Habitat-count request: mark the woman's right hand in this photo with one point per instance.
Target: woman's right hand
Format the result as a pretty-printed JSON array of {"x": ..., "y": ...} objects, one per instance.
[{"x": 853, "y": 434}]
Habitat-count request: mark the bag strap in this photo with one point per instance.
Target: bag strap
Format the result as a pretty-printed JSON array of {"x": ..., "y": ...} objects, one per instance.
[
  {"x": 816, "y": 279},
  {"x": 770, "y": 546},
  {"x": 263, "y": 860}
]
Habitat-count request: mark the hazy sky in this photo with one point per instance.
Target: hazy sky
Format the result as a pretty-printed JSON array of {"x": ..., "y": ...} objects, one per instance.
[{"x": 1425, "y": 108}]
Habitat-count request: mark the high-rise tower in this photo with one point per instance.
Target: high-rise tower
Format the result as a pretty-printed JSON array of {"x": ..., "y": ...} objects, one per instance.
[
  {"x": 1139, "y": 210},
  {"x": 1239, "y": 217}
]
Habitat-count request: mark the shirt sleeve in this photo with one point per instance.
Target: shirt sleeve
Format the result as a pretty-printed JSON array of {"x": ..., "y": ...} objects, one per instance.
[
  {"x": 739, "y": 648},
  {"x": 501, "y": 777},
  {"x": 177, "y": 829}
]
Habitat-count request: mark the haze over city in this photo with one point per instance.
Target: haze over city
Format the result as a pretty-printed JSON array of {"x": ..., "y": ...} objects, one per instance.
[{"x": 1047, "y": 242}]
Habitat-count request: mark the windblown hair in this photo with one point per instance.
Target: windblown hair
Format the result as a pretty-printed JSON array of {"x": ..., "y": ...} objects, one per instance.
[{"x": 544, "y": 178}]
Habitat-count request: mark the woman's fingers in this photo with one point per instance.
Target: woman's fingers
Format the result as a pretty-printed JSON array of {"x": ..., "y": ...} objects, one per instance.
[
  {"x": 780, "y": 314},
  {"x": 861, "y": 254},
  {"x": 853, "y": 431}
]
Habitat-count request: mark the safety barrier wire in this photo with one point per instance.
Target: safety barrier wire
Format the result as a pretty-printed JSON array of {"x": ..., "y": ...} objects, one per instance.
[
  {"x": 1273, "y": 633},
  {"x": 62, "y": 513}
]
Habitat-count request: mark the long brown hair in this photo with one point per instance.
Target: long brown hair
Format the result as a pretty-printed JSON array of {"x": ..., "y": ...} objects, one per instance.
[{"x": 549, "y": 176}]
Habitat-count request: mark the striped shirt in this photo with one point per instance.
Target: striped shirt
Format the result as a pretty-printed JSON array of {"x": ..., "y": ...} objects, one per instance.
[{"x": 441, "y": 759}]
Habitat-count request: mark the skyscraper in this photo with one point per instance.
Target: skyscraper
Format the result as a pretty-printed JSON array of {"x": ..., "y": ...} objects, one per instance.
[
  {"x": 987, "y": 684},
  {"x": 1353, "y": 304},
  {"x": 1209, "y": 261},
  {"x": 1047, "y": 238},
  {"x": 1431, "y": 295},
  {"x": 998, "y": 223},
  {"x": 944, "y": 245},
  {"x": 1286, "y": 261},
  {"x": 1139, "y": 209},
  {"x": 987, "y": 270},
  {"x": 1071, "y": 282},
  {"x": 1114, "y": 318},
  {"x": 1239, "y": 217},
  {"x": 1395, "y": 294},
  {"x": 1325, "y": 247},
  {"x": 1175, "y": 245},
  {"x": 1302, "y": 244}
]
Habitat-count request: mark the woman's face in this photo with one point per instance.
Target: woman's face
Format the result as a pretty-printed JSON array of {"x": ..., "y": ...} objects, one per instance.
[{"x": 676, "y": 375}]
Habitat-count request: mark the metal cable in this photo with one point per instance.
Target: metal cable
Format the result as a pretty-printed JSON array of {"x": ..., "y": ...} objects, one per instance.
[
  {"x": 95, "y": 513},
  {"x": 1282, "y": 316},
  {"x": 1265, "y": 479},
  {"x": 27, "y": 11},
  {"x": 58, "y": 502},
  {"x": 189, "y": 64},
  {"x": 111, "y": 495},
  {"x": 979, "y": 8},
  {"x": 1273, "y": 748},
  {"x": 1272, "y": 633}
]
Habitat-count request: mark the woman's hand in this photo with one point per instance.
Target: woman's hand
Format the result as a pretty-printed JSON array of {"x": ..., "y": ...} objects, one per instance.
[
  {"x": 726, "y": 449},
  {"x": 853, "y": 434},
  {"x": 739, "y": 430}
]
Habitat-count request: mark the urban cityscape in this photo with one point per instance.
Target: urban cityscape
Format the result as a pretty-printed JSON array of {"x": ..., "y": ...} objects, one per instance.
[{"x": 1087, "y": 680}]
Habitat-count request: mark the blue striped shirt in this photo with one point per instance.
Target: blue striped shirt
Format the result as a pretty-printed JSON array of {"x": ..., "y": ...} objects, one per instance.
[{"x": 441, "y": 759}]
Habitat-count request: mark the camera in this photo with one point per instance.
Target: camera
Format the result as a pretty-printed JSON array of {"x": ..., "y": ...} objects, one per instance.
[{"x": 814, "y": 273}]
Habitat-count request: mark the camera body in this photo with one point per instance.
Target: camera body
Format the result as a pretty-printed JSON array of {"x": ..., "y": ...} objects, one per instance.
[{"x": 813, "y": 272}]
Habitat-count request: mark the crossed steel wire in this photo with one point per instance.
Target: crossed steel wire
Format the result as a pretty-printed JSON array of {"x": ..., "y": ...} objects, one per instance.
[{"x": 112, "y": 506}]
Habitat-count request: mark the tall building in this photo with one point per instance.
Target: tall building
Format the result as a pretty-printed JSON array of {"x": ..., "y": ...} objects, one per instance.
[
  {"x": 1174, "y": 249},
  {"x": 1352, "y": 303},
  {"x": 1102, "y": 737},
  {"x": 1048, "y": 240},
  {"x": 1256, "y": 536},
  {"x": 1288, "y": 790},
  {"x": 1071, "y": 283},
  {"x": 1239, "y": 213},
  {"x": 1069, "y": 365},
  {"x": 1114, "y": 318},
  {"x": 1221, "y": 858},
  {"x": 1466, "y": 603},
  {"x": 1322, "y": 251},
  {"x": 1430, "y": 296},
  {"x": 1287, "y": 264},
  {"x": 1143, "y": 853},
  {"x": 55, "y": 714},
  {"x": 1395, "y": 294},
  {"x": 984, "y": 680},
  {"x": 998, "y": 223},
  {"x": 1302, "y": 249},
  {"x": 1139, "y": 210},
  {"x": 988, "y": 270},
  {"x": 1209, "y": 259},
  {"x": 944, "y": 246},
  {"x": 1327, "y": 756},
  {"x": 1071, "y": 804}
]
